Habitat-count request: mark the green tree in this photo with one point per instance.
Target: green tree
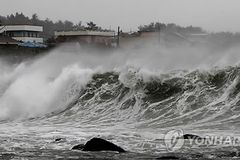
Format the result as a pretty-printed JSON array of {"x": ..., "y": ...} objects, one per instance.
[
  {"x": 92, "y": 26},
  {"x": 35, "y": 19}
]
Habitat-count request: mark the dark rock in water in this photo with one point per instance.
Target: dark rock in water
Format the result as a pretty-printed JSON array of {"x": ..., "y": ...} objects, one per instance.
[
  {"x": 227, "y": 153},
  {"x": 167, "y": 158},
  {"x": 98, "y": 144},
  {"x": 191, "y": 136},
  {"x": 58, "y": 139},
  {"x": 78, "y": 147}
]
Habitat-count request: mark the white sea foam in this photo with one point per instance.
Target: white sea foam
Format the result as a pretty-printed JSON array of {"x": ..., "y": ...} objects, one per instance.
[{"x": 32, "y": 89}]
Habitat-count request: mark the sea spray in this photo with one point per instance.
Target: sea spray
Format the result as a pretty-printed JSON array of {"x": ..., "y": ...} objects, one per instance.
[
  {"x": 36, "y": 93},
  {"x": 132, "y": 97},
  {"x": 39, "y": 87}
]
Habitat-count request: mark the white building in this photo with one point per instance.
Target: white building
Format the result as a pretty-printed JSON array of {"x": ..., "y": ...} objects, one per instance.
[
  {"x": 85, "y": 33},
  {"x": 103, "y": 38},
  {"x": 24, "y": 33}
]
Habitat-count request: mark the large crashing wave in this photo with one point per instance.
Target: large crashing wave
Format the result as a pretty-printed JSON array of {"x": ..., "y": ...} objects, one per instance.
[
  {"x": 197, "y": 98},
  {"x": 123, "y": 89}
]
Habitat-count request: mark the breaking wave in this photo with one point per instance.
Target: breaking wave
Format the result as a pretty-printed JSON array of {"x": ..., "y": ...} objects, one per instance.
[
  {"x": 133, "y": 97},
  {"x": 197, "y": 98},
  {"x": 136, "y": 88}
]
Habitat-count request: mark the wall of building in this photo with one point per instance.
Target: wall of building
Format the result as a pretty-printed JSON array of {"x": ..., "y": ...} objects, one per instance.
[
  {"x": 24, "y": 33},
  {"x": 84, "y": 33}
]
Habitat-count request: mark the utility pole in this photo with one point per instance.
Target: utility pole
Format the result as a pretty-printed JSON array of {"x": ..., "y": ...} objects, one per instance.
[
  {"x": 118, "y": 37},
  {"x": 159, "y": 34}
]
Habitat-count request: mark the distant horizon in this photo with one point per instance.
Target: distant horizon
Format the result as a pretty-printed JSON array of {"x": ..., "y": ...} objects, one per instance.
[{"x": 212, "y": 16}]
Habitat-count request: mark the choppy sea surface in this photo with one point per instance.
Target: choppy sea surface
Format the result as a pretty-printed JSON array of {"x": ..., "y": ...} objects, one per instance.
[{"x": 130, "y": 107}]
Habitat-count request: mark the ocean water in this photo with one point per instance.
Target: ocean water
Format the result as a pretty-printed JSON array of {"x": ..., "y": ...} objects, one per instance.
[{"x": 132, "y": 98}]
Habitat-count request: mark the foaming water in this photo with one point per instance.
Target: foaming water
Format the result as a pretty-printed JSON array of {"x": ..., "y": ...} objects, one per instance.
[{"x": 132, "y": 97}]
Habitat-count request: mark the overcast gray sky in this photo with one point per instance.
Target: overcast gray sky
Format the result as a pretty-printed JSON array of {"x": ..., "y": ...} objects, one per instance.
[{"x": 212, "y": 15}]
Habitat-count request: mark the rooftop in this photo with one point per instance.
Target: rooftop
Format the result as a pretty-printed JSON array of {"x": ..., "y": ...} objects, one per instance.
[
  {"x": 21, "y": 28},
  {"x": 85, "y": 33}
]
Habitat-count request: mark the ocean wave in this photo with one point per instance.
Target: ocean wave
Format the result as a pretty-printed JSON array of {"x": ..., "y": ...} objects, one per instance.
[
  {"x": 81, "y": 87},
  {"x": 196, "y": 98}
]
